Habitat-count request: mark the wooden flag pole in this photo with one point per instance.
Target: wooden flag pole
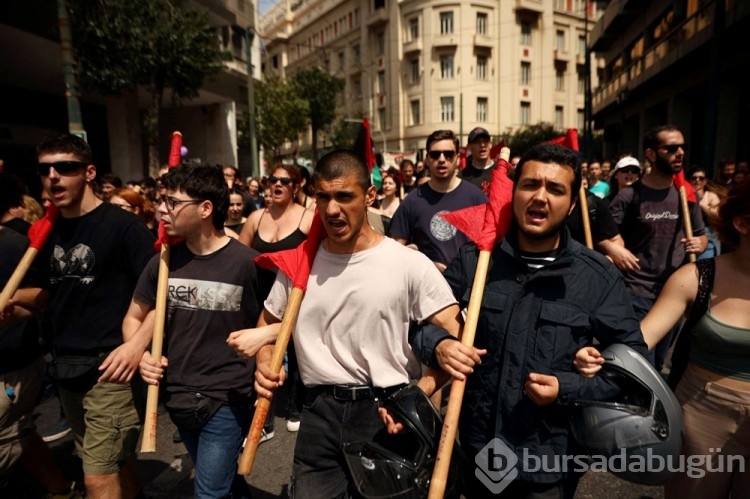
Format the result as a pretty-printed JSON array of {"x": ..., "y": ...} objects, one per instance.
[{"x": 687, "y": 223}]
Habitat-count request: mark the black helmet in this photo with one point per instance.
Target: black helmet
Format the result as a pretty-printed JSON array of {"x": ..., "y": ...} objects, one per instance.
[
  {"x": 639, "y": 431},
  {"x": 401, "y": 465}
]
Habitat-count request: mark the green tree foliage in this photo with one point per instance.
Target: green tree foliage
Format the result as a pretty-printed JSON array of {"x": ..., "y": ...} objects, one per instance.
[
  {"x": 152, "y": 44},
  {"x": 319, "y": 89},
  {"x": 344, "y": 133},
  {"x": 282, "y": 115},
  {"x": 523, "y": 138}
]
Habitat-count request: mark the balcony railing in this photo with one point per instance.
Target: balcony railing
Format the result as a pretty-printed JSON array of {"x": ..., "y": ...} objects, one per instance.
[{"x": 676, "y": 44}]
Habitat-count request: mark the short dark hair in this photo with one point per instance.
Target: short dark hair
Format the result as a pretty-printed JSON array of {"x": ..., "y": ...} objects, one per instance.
[
  {"x": 340, "y": 163},
  {"x": 203, "y": 182},
  {"x": 66, "y": 143},
  {"x": 439, "y": 135},
  {"x": 651, "y": 139},
  {"x": 112, "y": 179},
  {"x": 552, "y": 153}
]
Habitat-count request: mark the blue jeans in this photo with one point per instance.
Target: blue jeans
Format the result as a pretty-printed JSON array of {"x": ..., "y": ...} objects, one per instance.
[{"x": 215, "y": 449}]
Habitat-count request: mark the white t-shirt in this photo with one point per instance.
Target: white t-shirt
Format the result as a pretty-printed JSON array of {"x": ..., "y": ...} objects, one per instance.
[{"x": 353, "y": 323}]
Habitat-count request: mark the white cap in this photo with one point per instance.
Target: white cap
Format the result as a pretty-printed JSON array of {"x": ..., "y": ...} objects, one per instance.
[{"x": 628, "y": 161}]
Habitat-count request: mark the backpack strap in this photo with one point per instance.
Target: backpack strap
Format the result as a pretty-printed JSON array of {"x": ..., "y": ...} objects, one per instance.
[{"x": 681, "y": 352}]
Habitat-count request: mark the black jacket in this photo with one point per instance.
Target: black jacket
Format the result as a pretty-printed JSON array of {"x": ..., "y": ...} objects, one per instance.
[{"x": 534, "y": 321}]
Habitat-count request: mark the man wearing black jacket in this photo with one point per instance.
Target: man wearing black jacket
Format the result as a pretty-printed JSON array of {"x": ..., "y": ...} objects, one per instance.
[{"x": 546, "y": 296}]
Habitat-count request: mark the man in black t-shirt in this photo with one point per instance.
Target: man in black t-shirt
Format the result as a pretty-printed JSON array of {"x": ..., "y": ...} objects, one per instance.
[
  {"x": 479, "y": 165},
  {"x": 213, "y": 292},
  {"x": 98, "y": 252}
]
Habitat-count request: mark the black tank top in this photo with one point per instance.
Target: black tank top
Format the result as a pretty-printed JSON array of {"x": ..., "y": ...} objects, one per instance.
[{"x": 289, "y": 242}]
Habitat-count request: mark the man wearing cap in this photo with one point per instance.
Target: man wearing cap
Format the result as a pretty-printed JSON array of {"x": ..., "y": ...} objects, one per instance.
[{"x": 479, "y": 165}]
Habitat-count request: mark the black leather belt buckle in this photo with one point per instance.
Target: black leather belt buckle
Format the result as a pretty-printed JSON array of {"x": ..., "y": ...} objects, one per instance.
[{"x": 352, "y": 393}]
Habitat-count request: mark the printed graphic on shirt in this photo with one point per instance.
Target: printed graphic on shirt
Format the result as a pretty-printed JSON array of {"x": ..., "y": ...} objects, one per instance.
[
  {"x": 76, "y": 263},
  {"x": 440, "y": 228},
  {"x": 204, "y": 295}
]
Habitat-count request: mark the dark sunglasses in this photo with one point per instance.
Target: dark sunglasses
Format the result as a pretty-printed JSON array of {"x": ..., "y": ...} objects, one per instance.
[
  {"x": 672, "y": 148},
  {"x": 632, "y": 169},
  {"x": 284, "y": 180},
  {"x": 61, "y": 167},
  {"x": 698, "y": 177},
  {"x": 436, "y": 154}
]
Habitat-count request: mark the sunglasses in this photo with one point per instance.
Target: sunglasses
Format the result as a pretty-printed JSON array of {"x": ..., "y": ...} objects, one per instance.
[
  {"x": 672, "y": 148},
  {"x": 436, "y": 154},
  {"x": 698, "y": 177},
  {"x": 632, "y": 170},
  {"x": 61, "y": 167},
  {"x": 284, "y": 180}
]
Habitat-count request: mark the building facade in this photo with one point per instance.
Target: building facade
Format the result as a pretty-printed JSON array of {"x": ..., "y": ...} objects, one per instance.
[
  {"x": 414, "y": 66},
  {"x": 675, "y": 61},
  {"x": 33, "y": 95}
]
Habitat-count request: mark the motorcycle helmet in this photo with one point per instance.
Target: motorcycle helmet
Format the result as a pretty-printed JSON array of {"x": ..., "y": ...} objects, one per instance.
[
  {"x": 400, "y": 466},
  {"x": 639, "y": 431}
]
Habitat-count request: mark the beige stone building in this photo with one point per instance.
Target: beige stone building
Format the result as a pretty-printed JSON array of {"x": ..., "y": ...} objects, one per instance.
[{"x": 414, "y": 66}]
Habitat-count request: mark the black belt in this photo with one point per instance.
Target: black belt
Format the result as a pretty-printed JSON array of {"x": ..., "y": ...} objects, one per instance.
[{"x": 352, "y": 393}]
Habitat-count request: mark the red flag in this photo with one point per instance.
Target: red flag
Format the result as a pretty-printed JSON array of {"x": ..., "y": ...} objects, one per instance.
[
  {"x": 40, "y": 230},
  {"x": 175, "y": 155},
  {"x": 679, "y": 181},
  {"x": 462, "y": 157},
  {"x": 495, "y": 150},
  {"x": 569, "y": 140},
  {"x": 496, "y": 213},
  {"x": 363, "y": 145},
  {"x": 296, "y": 263}
]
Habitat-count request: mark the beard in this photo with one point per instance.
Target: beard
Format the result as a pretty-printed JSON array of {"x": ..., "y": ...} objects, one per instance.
[
  {"x": 549, "y": 233},
  {"x": 665, "y": 166}
]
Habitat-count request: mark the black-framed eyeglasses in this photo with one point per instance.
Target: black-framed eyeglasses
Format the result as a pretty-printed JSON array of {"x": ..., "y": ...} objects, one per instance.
[
  {"x": 284, "y": 180},
  {"x": 61, "y": 167},
  {"x": 171, "y": 203},
  {"x": 672, "y": 148},
  {"x": 436, "y": 154}
]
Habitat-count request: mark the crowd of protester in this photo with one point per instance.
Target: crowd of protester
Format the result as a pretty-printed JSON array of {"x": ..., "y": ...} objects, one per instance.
[{"x": 98, "y": 272}]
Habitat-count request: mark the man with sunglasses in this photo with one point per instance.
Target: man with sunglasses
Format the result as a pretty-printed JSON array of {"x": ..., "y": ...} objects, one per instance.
[
  {"x": 650, "y": 221},
  {"x": 417, "y": 222},
  {"x": 98, "y": 252}
]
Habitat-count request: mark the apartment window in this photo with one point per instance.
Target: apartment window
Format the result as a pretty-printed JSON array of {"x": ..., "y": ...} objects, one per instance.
[
  {"x": 525, "y": 113},
  {"x": 357, "y": 87},
  {"x": 525, "y": 73},
  {"x": 561, "y": 5},
  {"x": 413, "y": 29},
  {"x": 559, "y": 80},
  {"x": 341, "y": 60},
  {"x": 381, "y": 43},
  {"x": 581, "y": 119},
  {"x": 525, "y": 33},
  {"x": 446, "y": 67},
  {"x": 446, "y": 109},
  {"x": 582, "y": 45},
  {"x": 381, "y": 118},
  {"x": 446, "y": 23},
  {"x": 275, "y": 62},
  {"x": 581, "y": 87},
  {"x": 481, "y": 23},
  {"x": 381, "y": 82},
  {"x": 355, "y": 54},
  {"x": 559, "y": 117},
  {"x": 560, "y": 40},
  {"x": 481, "y": 67},
  {"x": 415, "y": 71},
  {"x": 416, "y": 112},
  {"x": 482, "y": 104}
]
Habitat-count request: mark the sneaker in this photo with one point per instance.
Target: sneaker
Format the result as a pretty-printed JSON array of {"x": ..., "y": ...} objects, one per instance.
[
  {"x": 266, "y": 436},
  {"x": 292, "y": 425},
  {"x": 56, "y": 432}
]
